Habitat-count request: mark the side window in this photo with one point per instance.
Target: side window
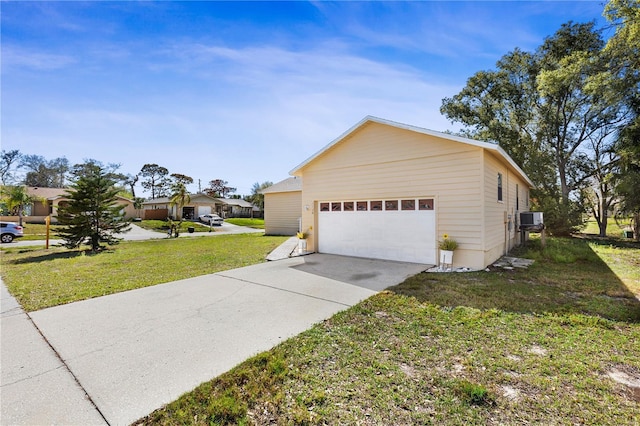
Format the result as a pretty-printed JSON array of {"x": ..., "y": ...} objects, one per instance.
[
  {"x": 517, "y": 198},
  {"x": 499, "y": 186}
]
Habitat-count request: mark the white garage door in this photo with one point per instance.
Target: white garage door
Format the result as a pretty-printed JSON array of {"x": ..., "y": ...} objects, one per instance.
[
  {"x": 204, "y": 210},
  {"x": 402, "y": 229}
]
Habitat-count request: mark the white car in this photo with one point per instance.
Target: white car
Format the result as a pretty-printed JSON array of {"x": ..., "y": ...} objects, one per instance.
[
  {"x": 10, "y": 231},
  {"x": 211, "y": 219}
]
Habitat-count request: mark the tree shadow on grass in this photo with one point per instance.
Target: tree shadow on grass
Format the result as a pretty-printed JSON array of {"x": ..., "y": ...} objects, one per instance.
[
  {"x": 572, "y": 281},
  {"x": 609, "y": 241},
  {"x": 54, "y": 256}
]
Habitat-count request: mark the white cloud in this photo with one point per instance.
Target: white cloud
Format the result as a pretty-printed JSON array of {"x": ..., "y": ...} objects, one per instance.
[
  {"x": 275, "y": 108},
  {"x": 13, "y": 57}
]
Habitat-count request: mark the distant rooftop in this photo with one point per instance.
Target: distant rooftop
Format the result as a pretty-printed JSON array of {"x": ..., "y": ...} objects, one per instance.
[{"x": 288, "y": 185}]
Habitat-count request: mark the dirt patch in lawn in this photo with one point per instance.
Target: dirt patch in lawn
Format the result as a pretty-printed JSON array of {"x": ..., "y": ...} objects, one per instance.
[{"x": 628, "y": 377}]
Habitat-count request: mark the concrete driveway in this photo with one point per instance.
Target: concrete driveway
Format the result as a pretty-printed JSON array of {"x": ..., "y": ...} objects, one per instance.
[{"x": 135, "y": 351}]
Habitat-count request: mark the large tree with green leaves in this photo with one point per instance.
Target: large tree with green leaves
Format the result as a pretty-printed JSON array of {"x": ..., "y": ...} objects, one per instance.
[
  {"x": 8, "y": 160},
  {"x": 45, "y": 173},
  {"x": 628, "y": 182},
  {"x": 623, "y": 52},
  {"x": 257, "y": 197},
  {"x": 219, "y": 188},
  {"x": 545, "y": 108},
  {"x": 92, "y": 214},
  {"x": 155, "y": 179}
]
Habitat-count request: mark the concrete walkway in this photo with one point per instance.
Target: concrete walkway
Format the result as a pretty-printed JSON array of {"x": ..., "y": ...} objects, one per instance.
[
  {"x": 135, "y": 351},
  {"x": 286, "y": 250},
  {"x": 36, "y": 386}
]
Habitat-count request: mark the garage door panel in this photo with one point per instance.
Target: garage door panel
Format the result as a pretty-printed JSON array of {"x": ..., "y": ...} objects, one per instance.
[
  {"x": 407, "y": 236},
  {"x": 202, "y": 210}
]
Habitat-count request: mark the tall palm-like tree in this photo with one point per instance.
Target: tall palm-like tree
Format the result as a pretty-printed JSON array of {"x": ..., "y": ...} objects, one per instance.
[
  {"x": 179, "y": 197},
  {"x": 17, "y": 197}
]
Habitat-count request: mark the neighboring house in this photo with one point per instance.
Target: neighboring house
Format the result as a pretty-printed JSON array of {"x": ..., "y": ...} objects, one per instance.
[
  {"x": 54, "y": 198},
  {"x": 199, "y": 205},
  {"x": 233, "y": 207},
  {"x": 283, "y": 207},
  {"x": 387, "y": 190}
]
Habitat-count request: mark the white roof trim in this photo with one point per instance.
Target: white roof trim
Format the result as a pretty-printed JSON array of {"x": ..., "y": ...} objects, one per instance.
[{"x": 485, "y": 145}]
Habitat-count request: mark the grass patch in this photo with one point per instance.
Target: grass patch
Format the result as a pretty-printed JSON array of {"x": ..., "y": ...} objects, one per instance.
[
  {"x": 614, "y": 229},
  {"x": 472, "y": 393},
  {"x": 532, "y": 346},
  {"x": 251, "y": 223},
  {"x": 163, "y": 225},
  {"x": 395, "y": 360},
  {"x": 37, "y": 231},
  {"x": 570, "y": 276},
  {"x": 40, "y": 278}
]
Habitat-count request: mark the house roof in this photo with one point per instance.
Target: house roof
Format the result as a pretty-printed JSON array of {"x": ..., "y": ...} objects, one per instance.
[
  {"x": 48, "y": 193},
  {"x": 200, "y": 196},
  {"x": 194, "y": 197},
  {"x": 291, "y": 184},
  {"x": 495, "y": 148},
  {"x": 236, "y": 202}
]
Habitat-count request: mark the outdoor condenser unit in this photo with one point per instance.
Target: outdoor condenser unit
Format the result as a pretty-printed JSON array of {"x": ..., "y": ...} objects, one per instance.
[{"x": 531, "y": 221}]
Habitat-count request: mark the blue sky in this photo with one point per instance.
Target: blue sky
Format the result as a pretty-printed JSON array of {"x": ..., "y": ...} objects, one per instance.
[{"x": 243, "y": 91}]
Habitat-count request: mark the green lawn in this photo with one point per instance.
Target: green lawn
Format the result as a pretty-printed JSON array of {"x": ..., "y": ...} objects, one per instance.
[
  {"x": 536, "y": 346},
  {"x": 38, "y": 231},
  {"x": 163, "y": 225},
  {"x": 39, "y": 278},
  {"x": 569, "y": 276},
  {"x": 614, "y": 229},
  {"x": 251, "y": 223}
]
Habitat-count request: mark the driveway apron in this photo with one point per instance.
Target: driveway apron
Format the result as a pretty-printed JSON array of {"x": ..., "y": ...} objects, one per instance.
[{"x": 135, "y": 351}]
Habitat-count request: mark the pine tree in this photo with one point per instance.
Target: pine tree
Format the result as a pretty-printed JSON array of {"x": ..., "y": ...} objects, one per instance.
[{"x": 92, "y": 215}]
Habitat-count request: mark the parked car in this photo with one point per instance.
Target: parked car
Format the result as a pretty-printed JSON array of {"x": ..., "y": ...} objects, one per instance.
[
  {"x": 10, "y": 231},
  {"x": 211, "y": 219}
]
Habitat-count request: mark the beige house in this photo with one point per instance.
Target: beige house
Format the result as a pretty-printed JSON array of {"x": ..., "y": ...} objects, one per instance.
[
  {"x": 236, "y": 207},
  {"x": 390, "y": 191},
  {"x": 199, "y": 205},
  {"x": 52, "y": 198},
  {"x": 282, "y": 207}
]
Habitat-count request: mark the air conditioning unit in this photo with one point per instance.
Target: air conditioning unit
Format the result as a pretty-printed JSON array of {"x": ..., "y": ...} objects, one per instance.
[{"x": 531, "y": 221}]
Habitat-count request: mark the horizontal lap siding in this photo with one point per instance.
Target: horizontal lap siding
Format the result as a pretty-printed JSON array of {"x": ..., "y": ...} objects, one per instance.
[
  {"x": 381, "y": 162},
  {"x": 281, "y": 212},
  {"x": 494, "y": 210}
]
